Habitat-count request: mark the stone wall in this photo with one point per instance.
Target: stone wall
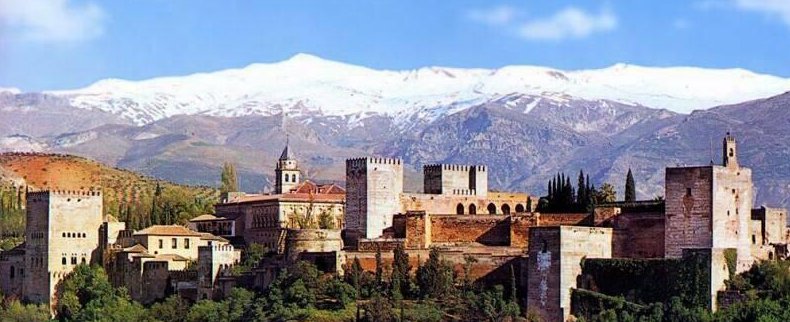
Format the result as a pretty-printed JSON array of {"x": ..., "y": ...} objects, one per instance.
[
  {"x": 639, "y": 235},
  {"x": 312, "y": 241},
  {"x": 373, "y": 190},
  {"x": 422, "y": 231},
  {"x": 555, "y": 255},
  {"x": 688, "y": 209},
  {"x": 733, "y": 198},
  {"x": 62, "y": 231}
]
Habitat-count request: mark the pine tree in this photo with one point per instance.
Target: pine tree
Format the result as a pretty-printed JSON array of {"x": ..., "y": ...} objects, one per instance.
[{"x": 630, "y": 187}]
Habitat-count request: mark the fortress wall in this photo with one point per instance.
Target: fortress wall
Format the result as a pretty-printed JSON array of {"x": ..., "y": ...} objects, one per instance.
[
  {"x": 639, "y": 235},
  {"x": 489, "y": 230},
  {"x": 558, "y": 219},
  {"x": 555, "y": 255},
  {"x": 733, "y": 199},
  {"x": 689, "y": 202}
]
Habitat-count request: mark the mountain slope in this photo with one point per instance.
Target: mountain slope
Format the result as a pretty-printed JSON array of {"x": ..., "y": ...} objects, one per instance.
[{"x": 306, "y": 85}]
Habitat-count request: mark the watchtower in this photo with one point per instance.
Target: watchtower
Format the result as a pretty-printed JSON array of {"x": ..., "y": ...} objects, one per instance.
[{"x": 287, "y": 174}]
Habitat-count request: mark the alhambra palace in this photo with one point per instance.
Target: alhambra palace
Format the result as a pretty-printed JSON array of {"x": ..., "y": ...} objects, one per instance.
[{"x": 706, "y": 219}]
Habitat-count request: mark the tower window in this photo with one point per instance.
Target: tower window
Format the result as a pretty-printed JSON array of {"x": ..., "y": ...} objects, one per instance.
[
  {"x": 732, "y": 153},
  {"x": 73, "y": 260},
  {"x": 688, "y": 192},
  {"x": 63, "y": 261}
]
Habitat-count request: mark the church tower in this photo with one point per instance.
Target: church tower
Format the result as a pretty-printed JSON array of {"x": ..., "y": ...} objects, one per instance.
[
  {"x": 729, "y": 152},
  {"x": 287, "y": 172}
]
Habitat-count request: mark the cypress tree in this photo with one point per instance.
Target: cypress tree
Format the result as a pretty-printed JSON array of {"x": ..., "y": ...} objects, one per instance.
[
  {"x": 630, "y": 187},
  {"x": 580, "y": 193}
]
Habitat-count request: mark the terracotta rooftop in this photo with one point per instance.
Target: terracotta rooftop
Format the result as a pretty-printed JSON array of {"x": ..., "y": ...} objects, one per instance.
[
  {"x": 172, "y": 257},
  {"x": 137, "y": 248},
  {"x": 210, "y": 236},
  {"x": 167, "y": 230},
  {"x": 206, "y": 217},
  {"x": 292, "y": 197}
]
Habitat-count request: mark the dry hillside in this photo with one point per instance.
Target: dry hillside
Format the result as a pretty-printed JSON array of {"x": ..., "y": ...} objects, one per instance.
[{"x": 126, "y": 194}]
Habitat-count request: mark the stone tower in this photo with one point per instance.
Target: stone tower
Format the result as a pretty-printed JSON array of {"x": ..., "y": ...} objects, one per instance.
[
  {"x": 287, "y": 172},
  {"x": 62, "y": 232},
  {"x": 729, "y": 153},
  {"x": 373, "y": 189},
  {"x": 453, "y": 179}
]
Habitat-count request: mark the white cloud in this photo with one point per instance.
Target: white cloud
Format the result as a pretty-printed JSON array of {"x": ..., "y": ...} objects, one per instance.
[
  {"x": 497, "y": 16},
  {"x": 570, "y": 22},
  {"x": 51, "y": 21},
  {"x": 772, "y": 8}
]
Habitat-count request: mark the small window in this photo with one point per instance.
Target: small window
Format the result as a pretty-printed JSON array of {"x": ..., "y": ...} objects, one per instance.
[
  {"x": 64, "y": 235},
  {"x": 12, "y": 273},
  {"x": 186, "y": 243},
  {"x": 688, "y": 192},
  {"x": 754, "y": 239},
  {"x": 161, "y": 243},
  {"x": 74, "y": 260},
  {"x": 63, "y": 261},
  {"x": 174, "y": 241}
]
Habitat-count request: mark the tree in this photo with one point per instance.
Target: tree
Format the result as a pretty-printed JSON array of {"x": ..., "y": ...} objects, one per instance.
[
  {"x": 341, "y": 291},
  {"x": 87, "y": 295},
  {"x": 400, "y": 280},
  {"x": 326, "y": 220},
  {"x": 379, "y": 269},
  {"x": 379, "y": 309},
  {"x": 435, "y": 277},
  {"x": 228, "y": 178},
  {"x": 605, "y": 194},
  {"x": 630, "y": 187},
  {"x": 172, "y": 309}
]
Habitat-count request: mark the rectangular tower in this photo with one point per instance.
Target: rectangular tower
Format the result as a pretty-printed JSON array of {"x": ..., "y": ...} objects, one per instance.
[
  {"x": 455, "y": 179},
  {"x": 373, "y": 189},
  {"x": 62, "y": 232},
  {"x": 710, "y": 207}
]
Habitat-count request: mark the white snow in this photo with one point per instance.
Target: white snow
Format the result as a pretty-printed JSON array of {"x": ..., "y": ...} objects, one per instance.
[{"x": 307, "y": 85}]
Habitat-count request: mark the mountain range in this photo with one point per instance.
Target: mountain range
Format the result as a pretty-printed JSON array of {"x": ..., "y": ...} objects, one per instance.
[{"x": 527, "y": 123}]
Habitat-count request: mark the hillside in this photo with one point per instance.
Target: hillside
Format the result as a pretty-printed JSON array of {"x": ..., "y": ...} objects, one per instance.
[{"x": 127, "y": 195}]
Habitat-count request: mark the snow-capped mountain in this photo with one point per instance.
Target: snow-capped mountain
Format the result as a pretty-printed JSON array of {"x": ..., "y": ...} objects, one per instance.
[{"x": 306, "y": 85}]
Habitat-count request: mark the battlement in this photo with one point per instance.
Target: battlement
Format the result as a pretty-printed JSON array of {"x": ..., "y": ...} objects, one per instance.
[
  {"x": 47, "y": 193},
  {"x": 464, "y": 192},
  {"x": 373, "y": 160},
  {"x": 216, "y": 248},
  {"x": 434, "y": 168}
]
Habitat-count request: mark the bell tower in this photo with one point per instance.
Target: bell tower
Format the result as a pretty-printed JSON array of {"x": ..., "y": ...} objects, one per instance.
[
  {"x": 287, "y": 174},
  {"x": 729, "y": 151}
]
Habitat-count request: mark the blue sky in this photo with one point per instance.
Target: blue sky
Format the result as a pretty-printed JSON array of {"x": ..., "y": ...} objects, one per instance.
[{"x": 63, "y": 44}]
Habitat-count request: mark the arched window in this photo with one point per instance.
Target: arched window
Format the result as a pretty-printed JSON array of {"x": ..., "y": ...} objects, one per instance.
[
  {"x": 83, "y": 260},
  {"x": 491, "y": 209},
  {"x": 293, "y": 178},
  {"x": 286, "y": 178},
  {"x": 506, "y": 209},
  {"x": 472, "y": 209},
  {"x": 63, "y": 261},
  {"x": 459, "y": 210},
  {"x": 519, "y": 208}
]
